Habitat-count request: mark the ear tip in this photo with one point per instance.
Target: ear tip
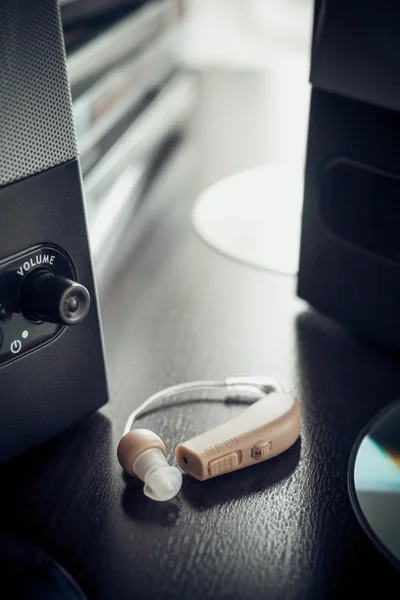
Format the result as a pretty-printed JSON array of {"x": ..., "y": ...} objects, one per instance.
[{"x": 134, "y": 443}]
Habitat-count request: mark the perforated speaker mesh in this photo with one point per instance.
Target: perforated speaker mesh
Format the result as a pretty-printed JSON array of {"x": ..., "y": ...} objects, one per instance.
[{"x": 36, "y": 123}]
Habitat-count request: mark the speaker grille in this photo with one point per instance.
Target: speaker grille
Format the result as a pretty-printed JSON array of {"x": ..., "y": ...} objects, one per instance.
[{"x": 36, "y": 122}]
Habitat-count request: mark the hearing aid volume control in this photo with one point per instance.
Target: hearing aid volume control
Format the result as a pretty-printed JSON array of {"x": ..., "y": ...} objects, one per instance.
[{"x": 261, "y": 450}]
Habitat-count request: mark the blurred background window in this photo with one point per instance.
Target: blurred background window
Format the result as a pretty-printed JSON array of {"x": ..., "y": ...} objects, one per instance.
[{"x": 182, "y": 95}]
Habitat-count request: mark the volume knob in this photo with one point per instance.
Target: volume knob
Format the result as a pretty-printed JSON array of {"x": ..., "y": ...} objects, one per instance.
[{"x": 48, "y": 297}]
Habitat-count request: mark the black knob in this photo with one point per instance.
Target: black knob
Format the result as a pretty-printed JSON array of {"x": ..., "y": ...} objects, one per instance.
[{"x": 46, "y": 296}]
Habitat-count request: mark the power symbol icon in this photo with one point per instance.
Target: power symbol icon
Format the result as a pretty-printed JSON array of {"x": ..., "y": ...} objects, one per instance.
[{"x": 15, "y": 346}]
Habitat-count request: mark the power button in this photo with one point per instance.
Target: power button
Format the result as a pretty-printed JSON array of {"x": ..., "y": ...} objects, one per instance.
[
  {"x": 229, "y": 462},
  {"x": 15, "y": 346}
]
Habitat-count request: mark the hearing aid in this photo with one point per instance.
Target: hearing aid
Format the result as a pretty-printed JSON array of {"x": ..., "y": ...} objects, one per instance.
[{"x": 268, "y": 427}]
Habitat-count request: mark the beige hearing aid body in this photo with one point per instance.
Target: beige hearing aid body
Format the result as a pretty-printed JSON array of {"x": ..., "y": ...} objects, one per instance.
[{"x": 265, "y": 429}]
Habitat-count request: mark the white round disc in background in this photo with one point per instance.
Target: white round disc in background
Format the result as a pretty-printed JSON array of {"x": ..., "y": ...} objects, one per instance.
[{"x": 254, "y": 217}]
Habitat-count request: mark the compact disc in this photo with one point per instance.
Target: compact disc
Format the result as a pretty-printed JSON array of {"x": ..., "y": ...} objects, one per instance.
[
  {"x": 374, "y": 481},
  {"x": 254, "y": 217}
]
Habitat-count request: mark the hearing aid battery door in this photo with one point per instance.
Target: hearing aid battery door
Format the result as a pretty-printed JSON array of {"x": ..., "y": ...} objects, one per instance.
[
  {"x": 262, "y": 431},
  {"x": 51, "y": 373}
]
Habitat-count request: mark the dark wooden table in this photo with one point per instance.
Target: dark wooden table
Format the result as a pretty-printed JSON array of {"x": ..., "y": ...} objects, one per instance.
[{"x": 178, "y": 311}]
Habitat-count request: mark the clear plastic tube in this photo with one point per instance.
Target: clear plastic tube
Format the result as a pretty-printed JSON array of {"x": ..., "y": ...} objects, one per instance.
[{"x": 247, "y": 389}]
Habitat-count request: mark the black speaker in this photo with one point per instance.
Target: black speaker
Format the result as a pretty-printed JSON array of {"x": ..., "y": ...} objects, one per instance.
[
  {"x": 350, "y": 247},
  {"x": 52, "y": 369}
]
